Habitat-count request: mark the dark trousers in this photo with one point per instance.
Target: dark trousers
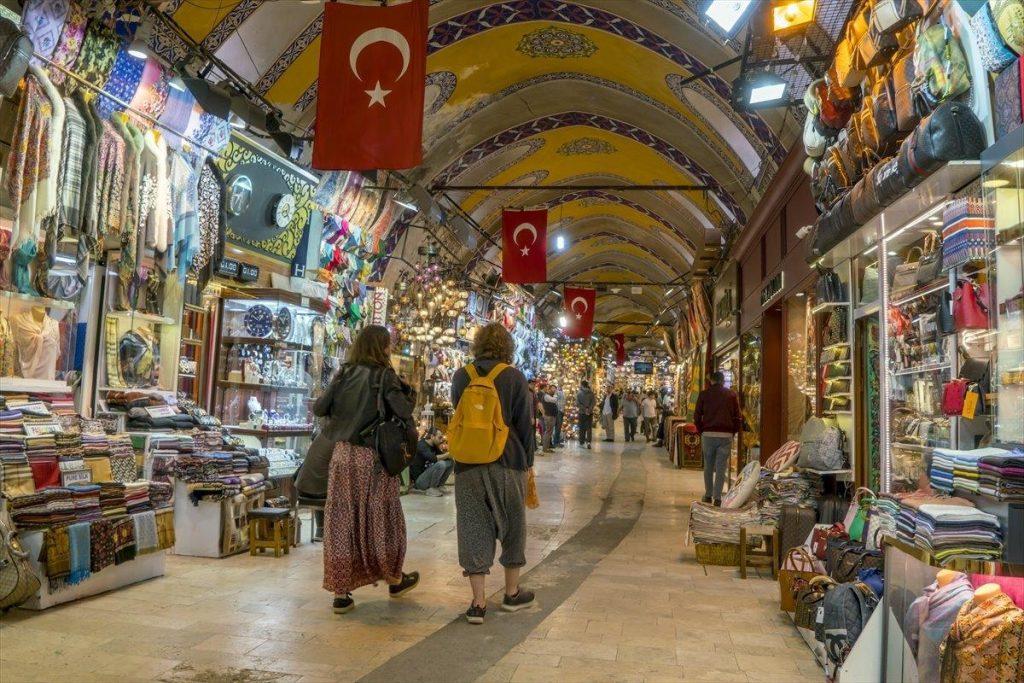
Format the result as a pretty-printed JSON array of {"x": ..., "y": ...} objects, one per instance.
[
  {"x": 630, "y": 425},
  {"x": 586, "y": 428},
  {"x": 557, "y": 439}
]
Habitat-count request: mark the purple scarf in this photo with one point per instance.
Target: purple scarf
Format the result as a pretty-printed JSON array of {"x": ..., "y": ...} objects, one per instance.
[{"x": 928, "y": 621}]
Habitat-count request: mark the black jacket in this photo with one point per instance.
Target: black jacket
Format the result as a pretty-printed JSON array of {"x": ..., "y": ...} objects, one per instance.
[
  {"x": 347, "y": 407},
  {"x": 516, "y": 409},
  {"x": 615, "y": 406}
]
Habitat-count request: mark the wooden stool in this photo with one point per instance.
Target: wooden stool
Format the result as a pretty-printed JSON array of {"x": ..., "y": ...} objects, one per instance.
[
  {"x": 270, "y": 528},
  {"x": 759, "y": 558}
]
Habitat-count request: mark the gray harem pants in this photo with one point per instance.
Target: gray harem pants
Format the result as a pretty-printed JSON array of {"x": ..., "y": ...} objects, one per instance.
[{"x": 490, "y": 504}]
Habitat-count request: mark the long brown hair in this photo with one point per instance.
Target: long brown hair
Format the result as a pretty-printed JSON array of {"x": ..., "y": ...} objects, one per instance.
[
  {"x": 493, "y": 342},
  {"x": 371, "y": 347}
]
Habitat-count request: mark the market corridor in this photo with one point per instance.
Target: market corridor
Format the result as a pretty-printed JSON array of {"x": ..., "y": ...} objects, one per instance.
[{"x": 635, "y": 609}]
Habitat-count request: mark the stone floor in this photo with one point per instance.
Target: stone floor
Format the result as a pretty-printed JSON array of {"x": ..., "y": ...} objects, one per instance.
[{"x": 645, "y": 611}]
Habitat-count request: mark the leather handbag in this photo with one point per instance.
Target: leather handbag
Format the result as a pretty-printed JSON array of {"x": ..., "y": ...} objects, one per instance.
[
  {"x": 889, "y": 184},
  {"x": 876, "y": 47},
  {"x": 994, "y": 53},
  {"x": 821, "y": 536},
  {"x": 829, "y": 287},
  {"x": 848, "y": 74},
  {"x": 808, "y": 598},
  {"x": 863, "y": 201},
  {"x": 837, "y": 104},
  {"x": 953, "y": 394},
  {"x": 814, "y": 142},
  {"x": 795, "y": 526},
  {"x": 18, "y": 582},
  {"x": 940, "y": 66},
  {"x": 950, "y": 133},
  {"x": 929, "y": 266},
  {"x": 889, "y": 16},
  {"x": 868, "y": 132},
  {"x": 857, "y": 515},
  {"x": 15, "y": 51},
  {"x": 393, "y": 440},
  {"x": 837, "y": 547},
  {"x": 883, "y": 114},
  {"x": 907, "y": 115},
  {"x": 797, "y": 564},
  {"x": 904, "y": 279},
  {"x": 970, "y": 306},
  {"x": 833, "y": 227}
]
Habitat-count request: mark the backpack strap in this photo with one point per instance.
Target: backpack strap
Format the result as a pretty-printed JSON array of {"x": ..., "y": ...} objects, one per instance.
[
  {"x": 496, "y": 370},
  {"x": 472, "y": 372}
]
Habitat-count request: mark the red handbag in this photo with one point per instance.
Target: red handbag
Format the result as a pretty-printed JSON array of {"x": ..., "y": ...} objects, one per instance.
[
  {"x": 820, "y": 536},
  {"x": 954, "y": 392},
  {"x": 970, "y": 306},
  {"x": 835, "y": 109}
]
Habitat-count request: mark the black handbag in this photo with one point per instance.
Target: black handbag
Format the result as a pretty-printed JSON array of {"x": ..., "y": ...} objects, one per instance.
[
  {"x": 907, "y": 116},
  {"x": 390, "y": 436},
  {"x": 833, "y": 227},
  {"x": 863, "y": 201},
  {"x": 883, "y": 114},
  {"x": 889, "y": 184},
  {"x": 829, "y": 287},
  {"x": 929, "y": 266},
  {"x": 15, "y": 51},
  {"x": 950, "y": 133},
  {"x": 944, "y": 319}
]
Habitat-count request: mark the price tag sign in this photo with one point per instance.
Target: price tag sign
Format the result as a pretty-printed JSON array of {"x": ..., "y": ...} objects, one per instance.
[
  {"x": 248, "y": 273},
  {"x": 161, "y": 411},
  {"x": 75, "y": 477},
  {"x": 971, "y": 403},
  {"x": 228, "y": 268}
]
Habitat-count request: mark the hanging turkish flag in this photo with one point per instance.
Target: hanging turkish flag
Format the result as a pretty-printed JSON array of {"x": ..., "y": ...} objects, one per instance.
[
  {"x": 579, "y": 311},
  {"x": 369, "y": 112},
  {"x": 524, "y": 250},
  {"x": 620, "y": 349}
]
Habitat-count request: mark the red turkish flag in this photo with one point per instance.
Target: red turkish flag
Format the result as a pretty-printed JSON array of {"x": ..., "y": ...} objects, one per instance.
[
  {"x": 524, "y": 246},
  {"x": 620, "y": 349},
  {"x": 579, "y": 311},
  {"x": 369, "y": 112}
]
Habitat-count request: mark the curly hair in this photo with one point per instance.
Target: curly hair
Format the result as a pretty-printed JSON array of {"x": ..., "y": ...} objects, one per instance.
[{"x": 493, "y": 342}]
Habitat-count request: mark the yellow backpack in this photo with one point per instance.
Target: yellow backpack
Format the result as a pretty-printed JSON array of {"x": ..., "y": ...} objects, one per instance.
[{"x": 477, "y": 432}]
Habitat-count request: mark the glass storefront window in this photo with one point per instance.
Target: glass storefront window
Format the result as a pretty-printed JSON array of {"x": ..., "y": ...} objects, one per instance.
[
  {"x": 800, "y": 376},
  {"x": 750, "y": 398}
]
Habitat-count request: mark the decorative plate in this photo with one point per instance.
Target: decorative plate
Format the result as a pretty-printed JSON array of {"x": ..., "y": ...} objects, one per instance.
[
  {"x": 258, "y": 321},
  {"x": 283, "y": 323}
]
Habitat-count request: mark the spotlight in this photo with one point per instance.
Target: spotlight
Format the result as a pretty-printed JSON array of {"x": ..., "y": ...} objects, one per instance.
[
  {"x": 560, "y": 243},
  {"x": 791, "y": 16},
  {"x": 727, "y": 13},
  {"x": 759, "y": 90},
  {"x": 562, "y": 322},
  {"x": 214, "y": 99},
  {"x": 138, "y": 50}
]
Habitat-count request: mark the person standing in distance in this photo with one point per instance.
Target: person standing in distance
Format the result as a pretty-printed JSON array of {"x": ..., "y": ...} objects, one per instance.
[
  {"x": 585, "y": 403},
  {"x": 718, "y": 420}
]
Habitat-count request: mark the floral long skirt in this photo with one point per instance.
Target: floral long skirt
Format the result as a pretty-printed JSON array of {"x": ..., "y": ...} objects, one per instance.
[{"x": 364, "y": 526}]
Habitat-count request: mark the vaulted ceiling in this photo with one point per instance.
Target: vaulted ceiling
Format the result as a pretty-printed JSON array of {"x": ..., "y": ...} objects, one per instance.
[{"x": 553, "y": 93}]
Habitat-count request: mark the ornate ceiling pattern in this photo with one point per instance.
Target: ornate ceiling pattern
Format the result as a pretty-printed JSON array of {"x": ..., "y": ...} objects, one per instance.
[{"x": 550, "y": 95}]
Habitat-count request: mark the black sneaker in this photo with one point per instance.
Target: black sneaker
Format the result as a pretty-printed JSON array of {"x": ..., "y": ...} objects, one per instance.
[
  {"x": 344, "y": 604},
  {"x": 706, "y": 499},
  {"x": 475, "y": 615},
  {"x": 514, "y": 603},
  {"x": 409, "y": 581}
]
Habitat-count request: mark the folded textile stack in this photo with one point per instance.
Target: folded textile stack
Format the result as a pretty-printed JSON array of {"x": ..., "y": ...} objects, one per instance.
[
  {"x": 95, "y": 444},
  {"x": 125, "y": 400},
  {"x": 1002, "y": 477},
  {"x": 957, "y": 531},
  {"x": 773, "y": 491},
  {"x": 68, "y": 446},
  {"x": 136, "y": 495},
  {"x": 16, "y": 472},
  {"x": 41, "y": 451},
  {"x": 709, "y": 524},
  {"x": 49, "y": 507},
  {"x": 140, "y": 420},
  {"x": 59, "y": 404},
  {"x": 112, "y": 499},
  {"x": 952, "y": 469},
  {"x": 11, "y": 422},
  {"x": 212, "y": 491},
  {"x": 87, "y": 501},
  {"x": 239, "y": 463},
  {"x": 884, "y": 513},
  {"x": 252, "y": 484},
  {"x": 208, "y": 441},
  {"x": 161, "y": 494}
]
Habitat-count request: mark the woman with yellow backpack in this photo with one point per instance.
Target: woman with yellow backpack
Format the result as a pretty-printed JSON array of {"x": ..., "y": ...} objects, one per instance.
[{"x": 491, "y": 439}]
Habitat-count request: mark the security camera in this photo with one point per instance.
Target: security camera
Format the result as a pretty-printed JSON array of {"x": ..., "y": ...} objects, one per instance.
[{"x": 804, "y": 231}]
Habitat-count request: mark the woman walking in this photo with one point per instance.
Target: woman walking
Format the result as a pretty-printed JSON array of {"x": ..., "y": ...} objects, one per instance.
[
  {"x": 364, "y": 534},
  {"x": 490, "y": 499}
]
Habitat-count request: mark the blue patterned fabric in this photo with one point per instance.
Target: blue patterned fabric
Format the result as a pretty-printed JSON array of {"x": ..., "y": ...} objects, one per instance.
[{"x": 123, "y": 82}]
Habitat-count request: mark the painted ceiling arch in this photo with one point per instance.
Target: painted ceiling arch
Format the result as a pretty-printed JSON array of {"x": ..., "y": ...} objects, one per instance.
[{"x": 588, "y": 253}]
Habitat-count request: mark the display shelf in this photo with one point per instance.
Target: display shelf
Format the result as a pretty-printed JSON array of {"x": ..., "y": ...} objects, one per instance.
[
  {"x": 921, "y": 294},
  {"x": 922, "y": 555},
  {"x": 265, "y": 387},
  {"x": 920, "y": 200},
  {"x": 933, "y": 367},
  {"x": 249, "y": 431},
  {"x": 268, "y": 341},
  {"x": 37, "y": 300},
  {"x": 34, "y": 386},
  {"x": 826, "y": 305},
  {"x": 143, "y": 317}
]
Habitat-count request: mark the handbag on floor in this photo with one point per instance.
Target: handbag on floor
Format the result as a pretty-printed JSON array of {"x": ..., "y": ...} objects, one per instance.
[
  {"x": 797, "y": 564},
  {"x": 808, "y": 599},
  {"x": 18, "y": 582}
]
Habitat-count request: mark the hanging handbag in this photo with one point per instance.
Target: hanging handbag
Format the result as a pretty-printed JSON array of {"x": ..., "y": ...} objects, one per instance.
[
  {"x": 929, "y": 266},
  {"x": 970, "y": 307},
  {"x": 941, "y": 69},
  {"x": 836, "y": 105},
  {"x": 864, "y": 201},
  {"x": 18, "y": 582},
  {"x": 968, "y": 233},
  {"x": 889, "y": 16},
  {"x": 944, "y": 318},
  {"x": 889, "y": 184},
  {"x": 953, "y": 393},
  {"x": 883, "y": 114},
  {"x": 829, "y": 287},
  {"x": 907, "y": 116},
  {"x": 995, "y": 55},
  {"x": 814, "y": 142},
  {"x": 904, "y": 280},
  {"x": 1008, "y": 17},
  {"x": 848, "y": 74},
  {"x": 797, "y": 564},
  {"x": 950, "y": 133},
  {"x": 833, "y": 227},
  {"x": 15, "y": 51},
  {"x": 393, "y": 440}
]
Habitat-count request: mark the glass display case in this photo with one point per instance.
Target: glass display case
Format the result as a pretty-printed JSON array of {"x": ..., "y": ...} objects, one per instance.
[
  {"x": 271, "y": 363},
  {"x": 195, "y": 340},
  {"x": 750, "y": 396},
  {"x": 37, "y": 342},
  {"x": 139, "y": 332}
]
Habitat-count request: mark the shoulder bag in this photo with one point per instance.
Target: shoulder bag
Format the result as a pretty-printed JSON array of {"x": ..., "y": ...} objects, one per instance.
[
  {"x": 940, "y": 65},
  {"x": 883, "y": 114},
  {"x": 907, "y": 115},
  {"x": 809, "y": 595},
  {"x": 889, "y": 16},
  {"x": 929, "y": 266},
  {"x": 951, "y": 132},
  {"x": 953, "y": 394},
  {"x": 15, "y": 51},
  {"x": 18, "y": 582},
  {"x": 904, "y": 280},
  {"x": 889, "y": 184},
  {"x": 864, "y": 201},
  {"x": 390, "y": 436},
  {"x": 970, "y": 306},
  {"x": 995, "y": 55},
  {"x": 797, "y": 564}
]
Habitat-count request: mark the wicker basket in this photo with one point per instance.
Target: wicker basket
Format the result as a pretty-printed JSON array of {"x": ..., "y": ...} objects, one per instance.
[{"x": 718, "y": 554}]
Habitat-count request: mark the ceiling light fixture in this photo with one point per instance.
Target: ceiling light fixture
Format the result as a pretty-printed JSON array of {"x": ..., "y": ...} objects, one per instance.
[
  {"x": 138, "y": 50},
  {"x": 759, "y": 90},
  {"x": 560, "y": 243},
  {"x": 727, "y": 13},
  {"x": 792, "y": 16}
]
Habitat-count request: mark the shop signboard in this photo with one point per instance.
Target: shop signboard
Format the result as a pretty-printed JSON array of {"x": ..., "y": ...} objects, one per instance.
[
  {"x": 643, "y": 367},
  {"x": 379, "y": 306},
  {"x": 772, "y": 288}
]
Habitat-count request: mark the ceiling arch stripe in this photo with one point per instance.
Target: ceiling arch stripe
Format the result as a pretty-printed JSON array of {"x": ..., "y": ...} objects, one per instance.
[
  {"x": 229, "y": 24},
  {"x": 546, "y": 123},
  {"x": 305, "y": 39},
  {"x": 600, "y": 238}
]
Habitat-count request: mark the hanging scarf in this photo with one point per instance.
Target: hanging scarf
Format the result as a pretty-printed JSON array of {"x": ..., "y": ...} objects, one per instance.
[
  {"x": 145, "y": 532},
  {"x": 79, "y": 544},
  {"x": 101, "y": 544},
  {"x": 124, "y": 540},
  {"x": 165, "y": 529},
  {"x": 985, "y": 643},
  {"x": 57, "y": 557},
  {"x": 928, "y": 620}
]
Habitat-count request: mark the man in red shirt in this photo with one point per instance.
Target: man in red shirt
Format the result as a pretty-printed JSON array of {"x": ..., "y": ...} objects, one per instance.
[{"x": 717, "y": 417}]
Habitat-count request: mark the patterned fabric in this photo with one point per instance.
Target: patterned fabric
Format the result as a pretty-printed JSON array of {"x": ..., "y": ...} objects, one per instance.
[
  {"x": 184, "y": 214},
  {"x": 123, "y": 534},
  {"x": 79, "y": 543},
  {"x": 364, "y": 526},
  {"x": 176, "y": 114},
  {"x": 122, "y": 83},
  {"x": 151, "y": 96},
  {"x": 99, "y": 51},
  {"x": 214, "y": 133},
  {"x": 102, "y": 544},
  {"x": 929, "y": 619},
  {"x": 1008, "y": 110},
  {"x": 72, "y": 166},
  {"x": 995, "y": 56},
  {"x": 109, "y": 183},
  {"x": 57, "y": 554},
  {"x": 70, "y": 43},
  {"x": 43, "y": 21},
  {"x": 985, "y": 643},
  {"x": 90, "y": 157},
  {"x": 28, "y": 164},
  {"x": 7, "y": 356},
  {"x": 122, "y": 468},
  {"x": 165, "y": 529},
  {"x": 211, "y": 210}
]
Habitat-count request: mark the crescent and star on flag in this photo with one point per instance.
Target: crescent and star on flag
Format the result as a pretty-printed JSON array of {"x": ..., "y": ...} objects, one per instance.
[
  {"x": 572, "y": 306},
  {"x": 365, "y": 40},
  {"x": 528, "y": 227}
]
